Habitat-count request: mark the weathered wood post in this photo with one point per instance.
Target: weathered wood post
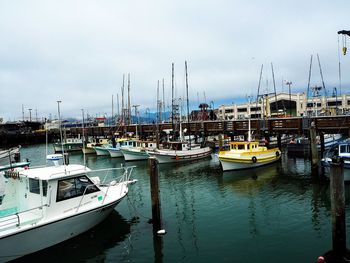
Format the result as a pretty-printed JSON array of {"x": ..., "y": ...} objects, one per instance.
[
  {"x": 279, "y": 141},
  {"x": 322, "y": 143},
  {"x": 338, "y": 207},
  {"x": 313, "y": 148},
  {"x": 156, "y": 210},
  {"x": 220, "y": 142},
  {"x": 155, "y": 200}
]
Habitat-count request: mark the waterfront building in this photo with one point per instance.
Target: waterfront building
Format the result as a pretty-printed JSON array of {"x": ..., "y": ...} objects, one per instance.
[{"x": 288, "y": 105}]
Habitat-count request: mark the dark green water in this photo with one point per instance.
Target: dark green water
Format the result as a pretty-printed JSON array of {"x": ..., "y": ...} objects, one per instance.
[{"x": 277, "y": 213}]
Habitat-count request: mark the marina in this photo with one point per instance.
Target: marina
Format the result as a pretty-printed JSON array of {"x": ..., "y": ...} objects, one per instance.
[
  {"x": 239, "y": 215},
  {"x": 190, "y": 132}
]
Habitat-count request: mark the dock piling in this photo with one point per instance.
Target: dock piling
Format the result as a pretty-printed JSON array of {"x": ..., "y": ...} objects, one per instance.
[
  {"x": 322, "y": 143},
  {"x": 154, "y": 183},
  {"x": 313, "y": 148},
  {"x": 338, "y": 207}
]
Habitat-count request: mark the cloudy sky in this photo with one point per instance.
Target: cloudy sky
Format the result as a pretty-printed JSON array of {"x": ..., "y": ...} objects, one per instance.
[{"x": 78, "y": 51}]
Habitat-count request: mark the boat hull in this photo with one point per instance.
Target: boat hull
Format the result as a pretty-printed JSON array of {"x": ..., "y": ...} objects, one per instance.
[
  {"x": 69, "y": 147},
  {"x": 88, "y": 150},
  {"x": 229, "y": 165},
  {"x": 101, "y": 151},
  {"x": 115, "y": 152},
  {"x": 44, "y": 236},
  {"x": 178, "y": 157},
  {"x": 130, "y": 155},
  {"x": 326, "y": 164}
]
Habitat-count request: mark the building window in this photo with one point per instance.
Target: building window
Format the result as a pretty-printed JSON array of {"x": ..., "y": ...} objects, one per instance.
[
  {"x": 242, "y": 109},
  {"x": 229, "y": 111},
  {"x": 255, "y": 108}
]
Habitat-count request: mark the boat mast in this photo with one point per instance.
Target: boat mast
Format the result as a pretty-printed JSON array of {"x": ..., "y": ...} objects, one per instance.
[
  {"x": 274, "y": 87},
  {"x": 113, "y": 110},
  {"x": 164, "y": 116},
  {"x": 123, "y": 100},
  {"x": 83, "y": 128},
  {"x": 308, "y": 86},
  {"x": 172, "y": 98},
  {"x": 188, "y": 110},
  {"x": 60, "y": 123},
  {"x": 129, "y": 103}
]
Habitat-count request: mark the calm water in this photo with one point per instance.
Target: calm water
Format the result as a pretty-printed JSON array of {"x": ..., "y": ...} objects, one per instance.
[{"x": 277, "y": 213}]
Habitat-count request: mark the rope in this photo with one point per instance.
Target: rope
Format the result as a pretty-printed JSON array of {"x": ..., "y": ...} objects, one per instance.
[{"x": 135, "y": 210}]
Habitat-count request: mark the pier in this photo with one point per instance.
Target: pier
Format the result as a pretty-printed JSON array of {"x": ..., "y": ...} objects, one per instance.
[{"x": 271, "y": 126}]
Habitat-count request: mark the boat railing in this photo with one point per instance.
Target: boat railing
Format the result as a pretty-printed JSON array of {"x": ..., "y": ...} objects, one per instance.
[
  {"x": 125, "y": 177},
  {"x": 17, "y": 219}
]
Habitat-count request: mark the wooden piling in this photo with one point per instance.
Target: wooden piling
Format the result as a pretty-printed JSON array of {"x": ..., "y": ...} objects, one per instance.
[
  {"x": 338, "y": 208},
  {"x": 322, "y": 143},
  {"x": 154, "y": 183},
  {"x": 279, "y": 141},
  {"x": 220, "y": 142},
  {"x": 313, "y": 148}
]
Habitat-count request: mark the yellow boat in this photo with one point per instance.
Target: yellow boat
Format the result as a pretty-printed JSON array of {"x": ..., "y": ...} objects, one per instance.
[{"x": 247, "y": 154}]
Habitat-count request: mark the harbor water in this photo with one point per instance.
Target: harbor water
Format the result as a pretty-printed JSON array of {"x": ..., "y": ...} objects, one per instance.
[{"x": 277, "y": 213}]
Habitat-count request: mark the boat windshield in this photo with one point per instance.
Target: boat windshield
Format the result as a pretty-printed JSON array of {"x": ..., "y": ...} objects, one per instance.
[
  {"x": 344, "y": 148},
  {"x": 74, "y": 187}
]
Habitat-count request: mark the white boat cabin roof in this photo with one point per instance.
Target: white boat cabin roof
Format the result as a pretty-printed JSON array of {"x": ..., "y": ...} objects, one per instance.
[{"x": 53, "y": 172}]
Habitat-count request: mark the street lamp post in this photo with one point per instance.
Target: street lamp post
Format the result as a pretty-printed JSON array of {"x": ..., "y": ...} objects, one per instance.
[{"x": 290, "y": 98}]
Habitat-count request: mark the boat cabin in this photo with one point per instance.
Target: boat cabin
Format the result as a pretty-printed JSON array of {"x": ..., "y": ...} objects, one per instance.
[
  {"x": 244, "y": 146},
  {"x": 344, "y": 150},
  {"x": 32, "y": 194}
]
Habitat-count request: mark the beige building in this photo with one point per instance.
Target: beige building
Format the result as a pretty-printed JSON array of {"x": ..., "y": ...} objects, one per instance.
[{"x": 288, "y": 105}]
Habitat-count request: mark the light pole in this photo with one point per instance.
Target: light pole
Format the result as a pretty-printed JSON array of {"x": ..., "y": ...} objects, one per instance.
[
  {"x": 30, "y": 115},
  {"x": 290, "y": 98}
]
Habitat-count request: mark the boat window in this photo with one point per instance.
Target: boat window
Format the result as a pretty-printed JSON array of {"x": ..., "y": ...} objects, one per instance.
[
  {"x": 34, "y": 186},
  {"x": 44, "y": 188},
  {"x": 74, "y": 187},
  {"x": 241, "y": 147},
  {"x": 342, "y": 148}
]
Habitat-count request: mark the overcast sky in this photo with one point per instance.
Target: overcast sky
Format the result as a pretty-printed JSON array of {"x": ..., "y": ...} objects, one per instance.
[{"x": 78, "y": 51}]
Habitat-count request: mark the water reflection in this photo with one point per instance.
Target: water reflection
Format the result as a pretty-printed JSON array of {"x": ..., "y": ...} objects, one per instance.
[{"x": 92, "y": 244}]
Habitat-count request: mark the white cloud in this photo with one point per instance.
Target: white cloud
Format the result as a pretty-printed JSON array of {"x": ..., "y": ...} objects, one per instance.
[{"x": 77, "y": 51}]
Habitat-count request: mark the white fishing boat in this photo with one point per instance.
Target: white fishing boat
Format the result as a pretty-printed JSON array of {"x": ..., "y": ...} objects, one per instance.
[
  {"x": 43, "y": 206},
  {"x": 176, "y": 152},
  {"x": 9, "y": 155},
  {"x": 115, "y": 151},
  {"x": 139, "y": 152},
  {"x": 69, "y": 145},
  {"x": 342, "y": 151},
  {"x": 102, "y": 150},
  {"x": 89, "y": 148}
]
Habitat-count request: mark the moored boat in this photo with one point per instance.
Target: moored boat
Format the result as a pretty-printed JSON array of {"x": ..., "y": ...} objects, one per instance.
[
  {"x": 89, "y": 148},
  {"x": 9, "y": 155},
  {"x": 69, "y": 145},
  {"x": 247, "y": 154},
  {"x": 139, "y": 152},
  {"x": 176, "y": 152},
  {"x": 115, "y": 150},
  {"x": 342, "y": 151},
  {"x": 43, "y": 206}
]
